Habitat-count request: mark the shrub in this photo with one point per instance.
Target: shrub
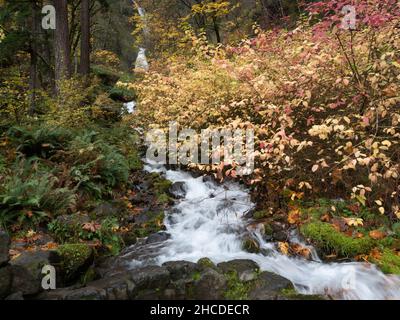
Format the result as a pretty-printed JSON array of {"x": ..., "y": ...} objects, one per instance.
[
  {"x": 96, "y": 167},
  {"x": 31, "y": 195},
  {"x": 40, "y": 140}
]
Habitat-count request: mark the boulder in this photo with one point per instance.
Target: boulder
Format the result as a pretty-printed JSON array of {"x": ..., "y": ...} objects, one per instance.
[
  {"x": 34, "y": 261},
  {"x": 246, "y": 270},
  {"x": 181, "y": 269},
  {"x": 15, "y": 296},
  {"x": 5, "y": 281},
  {"x": 158, "y": 237},
  {"x": 150, "y": 277},
  {"x": 269, "y": 286},
  {"x": 75, "y": 259},
  {"x": 24, "y": 282},
  {"x": 178, "y": 190},
  {"x": 210, "y": 285},
  {"x": 4, "y": 247}
]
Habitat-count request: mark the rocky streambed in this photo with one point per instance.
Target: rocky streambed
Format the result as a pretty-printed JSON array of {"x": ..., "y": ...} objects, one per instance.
[{"x": 205, "y": 252}]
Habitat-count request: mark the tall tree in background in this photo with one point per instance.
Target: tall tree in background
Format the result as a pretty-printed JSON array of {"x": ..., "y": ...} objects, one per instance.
[
  {"x": 62, "y": 47},
  {"x": 84, "y": 67},
  {"x": 33, "y": 51}
]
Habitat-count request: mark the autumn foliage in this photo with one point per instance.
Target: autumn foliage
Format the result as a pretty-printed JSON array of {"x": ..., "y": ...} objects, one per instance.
[{"x": 324, "y": 102}]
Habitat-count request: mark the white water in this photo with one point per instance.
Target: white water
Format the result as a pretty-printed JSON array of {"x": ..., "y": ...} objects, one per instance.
[
  {"x": 130, "y": 106},
  {"x": 141, "y": 63},
  {"x": 208, "y": 223}
]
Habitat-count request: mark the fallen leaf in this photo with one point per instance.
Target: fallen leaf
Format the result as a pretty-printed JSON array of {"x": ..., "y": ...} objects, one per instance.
[
  {"x": 326, "y": 218},
  {"x": 294, "y": 216},
  {"x": 354, "y": 222},
  {"x": 283, "y": 248},
  {"x": 377, "y": 234}
]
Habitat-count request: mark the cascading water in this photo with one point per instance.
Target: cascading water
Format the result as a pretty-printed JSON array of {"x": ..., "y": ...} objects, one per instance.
[
  {"x": 209, "y": 222},
  {"x": 141, "y": 60}
]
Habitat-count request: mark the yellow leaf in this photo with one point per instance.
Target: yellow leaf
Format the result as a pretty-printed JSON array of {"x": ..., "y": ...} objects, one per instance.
[
  {"x": 381, "y": 210},
  {"x": 283, "y": 248}
]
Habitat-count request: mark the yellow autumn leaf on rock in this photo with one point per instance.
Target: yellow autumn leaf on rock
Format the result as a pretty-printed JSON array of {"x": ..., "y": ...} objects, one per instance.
[{"x": 283, "y": 248}]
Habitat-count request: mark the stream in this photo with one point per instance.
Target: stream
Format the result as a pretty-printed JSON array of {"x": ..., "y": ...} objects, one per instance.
[{"x": 209, "y": 222}]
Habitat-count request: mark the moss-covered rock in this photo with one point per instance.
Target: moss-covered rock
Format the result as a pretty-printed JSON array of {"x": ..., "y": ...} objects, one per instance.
[
  {"x": 292, "y": 294},
  {"x": 328, "y": 239},
  {"x": 75, "y": 259},
  {"x": 250, "y": 245},
  {"x": 389, "y": 262},
  {"x": 206, "y": 263},
  {"x": 237, "y": 289}
]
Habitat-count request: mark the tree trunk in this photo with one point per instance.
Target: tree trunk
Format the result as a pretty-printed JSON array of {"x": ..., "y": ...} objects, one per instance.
[
  {"x": 85, "y": 38},
  {"x": 62, "y": 48},
  {"x": 33, "y": 72}
]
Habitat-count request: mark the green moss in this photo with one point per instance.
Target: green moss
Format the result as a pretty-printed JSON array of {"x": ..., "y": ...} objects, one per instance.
[
  {"x": 196, "y": 276},
  {"x": 237, "y": 290},
  {"x": 206, "y": 263},
  {"x": 328, "y": 239},
  {"x": 251, "y": 245},
  {"x": 268, "y": 229},
  {"x": 163, "y": 198},
  {"x": 389, "y": 262},
  {"x": 74, "y": 257},
  {"x": 292, "y": 294},
  {"x": 260, "y": 214}
]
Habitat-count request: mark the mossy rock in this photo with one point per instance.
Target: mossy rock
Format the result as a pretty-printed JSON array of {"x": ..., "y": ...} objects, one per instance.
[
  {"x": 251, "y": 245},
  {"x": 389, "y": 262},
  {"x": 328, "y": 239},
  {"x": 206, "y": 263},
  {"x": 260, "y": 214},
  {"x": 292, "y": 294},
  {"x": 75, "y": 259},
  {"x": 237, "y": 289}
]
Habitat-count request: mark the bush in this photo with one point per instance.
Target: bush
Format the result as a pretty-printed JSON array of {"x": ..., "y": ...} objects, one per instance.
[
  {"x": 96, "y": 167},
  {"x": 31, "y": 195},
  {"x": 41, "y": 141}
]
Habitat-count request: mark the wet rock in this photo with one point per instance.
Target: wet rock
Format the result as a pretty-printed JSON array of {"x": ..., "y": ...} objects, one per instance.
[
  {"x": 178, "y": 190},
  {"x": 210, "y": 285},
  {"x": 34, "y": 261},
  {"x": 181, "y": 269},
  {"x": 119, "y": 287},
  {"x": 150, "y": 277},
  {"x": 245, "y": 269},
  {"x": 5, "y": 281},
  {"x": 87, "y": 293},
  {"x": 280, "y": 236},
  {"x": 24, "y": 282},
  {"x": 209, "y": 179},
  {"x": 15, "y": 296},
  {"x": 251, "y": 245},
  {"x": 129, "y": 238},
  {"x": 158, "y": 237},
  {"x": 4, "y": 247},
  {"x": 206, "y": 263},
  {"x": 269, "y": 286}
]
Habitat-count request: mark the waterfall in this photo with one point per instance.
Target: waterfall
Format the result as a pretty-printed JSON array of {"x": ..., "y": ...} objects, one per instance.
[{"x": 141, "y": 63}]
